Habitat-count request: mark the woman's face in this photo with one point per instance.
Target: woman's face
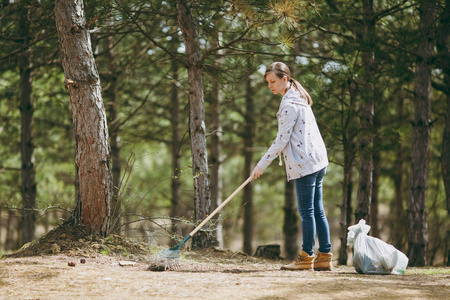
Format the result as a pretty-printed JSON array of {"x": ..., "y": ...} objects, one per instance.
[{"x": 276, "y": 84}]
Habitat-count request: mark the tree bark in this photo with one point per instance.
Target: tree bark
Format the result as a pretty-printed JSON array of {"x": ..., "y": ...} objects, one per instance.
[
  {"x": 417, "y": 212},
  {"x": 366, "y": 114},
  {"x": 443, "y": 48},
  {"x": 92, "y": 160},
  {"x": 247, "y": 200},
  {"x": 28, "y": 168},
  {"x": 197, "y": 127}
]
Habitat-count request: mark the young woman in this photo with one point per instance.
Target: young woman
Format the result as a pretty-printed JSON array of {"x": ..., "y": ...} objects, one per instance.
[{"x": 305, "y": 156}]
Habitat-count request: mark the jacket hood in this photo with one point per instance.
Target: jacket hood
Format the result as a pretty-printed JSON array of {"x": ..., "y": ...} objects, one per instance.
[{"x": 293, "y": 96}]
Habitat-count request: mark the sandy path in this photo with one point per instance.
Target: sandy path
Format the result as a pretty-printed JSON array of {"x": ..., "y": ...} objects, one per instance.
[{"x": 205, "y": 277}]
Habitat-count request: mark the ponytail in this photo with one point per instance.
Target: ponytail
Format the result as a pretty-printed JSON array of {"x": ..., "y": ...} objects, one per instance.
[{"x": 296, "y": 85}]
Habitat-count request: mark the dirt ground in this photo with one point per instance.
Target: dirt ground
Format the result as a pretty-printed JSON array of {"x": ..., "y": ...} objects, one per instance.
[{"x": 118, "y": 269}]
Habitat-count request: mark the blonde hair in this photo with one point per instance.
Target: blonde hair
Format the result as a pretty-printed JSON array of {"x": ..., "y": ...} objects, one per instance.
[{"x": 280, "y": 70}]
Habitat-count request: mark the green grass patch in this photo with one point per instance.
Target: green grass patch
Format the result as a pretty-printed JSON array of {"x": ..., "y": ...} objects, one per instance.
[{"x": 428, "y": 271}]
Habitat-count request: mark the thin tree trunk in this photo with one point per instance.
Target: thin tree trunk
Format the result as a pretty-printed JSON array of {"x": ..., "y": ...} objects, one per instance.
[
  {"x": 290, "y": 224},
  {"x": 349, "y": 144},
  {"x": 111, "y": 95},
  {"x": 417, "y": 211},
  {"x": 375, "y": 230},
  {"x": 216, "y": 146},
  {"x": 443, "y": 47},
  {"x": 247, "y": 200},
  {"x": 176, "y": 145},
  {"x": 366, "y": 114},
  {"x": 202, "y": 192},
  {"x": 92, "y": 161},
  {"x": 28, "y": 169},
  {"x": 346, "y": 208},
  {"x": 398, "y": 228}
]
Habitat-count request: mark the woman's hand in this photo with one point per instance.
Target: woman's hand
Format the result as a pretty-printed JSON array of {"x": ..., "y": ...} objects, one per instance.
[{"x": 257, "y": 172}]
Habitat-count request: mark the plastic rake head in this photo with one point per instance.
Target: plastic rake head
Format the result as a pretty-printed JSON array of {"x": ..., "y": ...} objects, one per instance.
[{"x": 170, "y": 257}]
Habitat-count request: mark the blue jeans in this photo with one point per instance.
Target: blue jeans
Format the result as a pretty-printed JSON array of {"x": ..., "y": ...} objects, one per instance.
[{"x": 310, "y": 208}]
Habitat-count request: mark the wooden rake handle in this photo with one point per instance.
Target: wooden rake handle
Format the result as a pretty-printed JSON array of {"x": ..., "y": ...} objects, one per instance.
[{"x": 220, "y": 207}]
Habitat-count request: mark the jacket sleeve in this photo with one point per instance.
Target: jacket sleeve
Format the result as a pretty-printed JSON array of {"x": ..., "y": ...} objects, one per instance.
[{"x": 286, "y": 121}]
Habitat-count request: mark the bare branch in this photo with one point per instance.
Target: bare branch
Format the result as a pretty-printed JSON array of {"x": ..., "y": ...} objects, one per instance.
[
  {"x": 393, "y": 10},
  {"x": 3, "y": 169},
  {"x": 227, "y": 45},
  {"x": 239, "y": 51},
  {"x": 116, "y": 124},
  {"x": 335, "y": 33},
  {"x": 37, "y": 40},
  {"x": 156, "y": 43}
]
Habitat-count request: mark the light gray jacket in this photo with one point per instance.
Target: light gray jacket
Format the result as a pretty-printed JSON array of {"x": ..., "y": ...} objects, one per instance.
[{"x": 298, "y": 138}]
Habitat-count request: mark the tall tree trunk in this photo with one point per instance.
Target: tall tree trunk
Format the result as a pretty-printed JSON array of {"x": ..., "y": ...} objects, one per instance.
[
  {"x": 443, "y": 47},
  {"x": 247, "y": 200},
  {"x": 417, "y": 211},
  {"x": 176, "y": 146},
  {"x": 350, "y": 146},
  {"x": 216, "y": 160},
  {"x": 92, "y": 160},
  {"x": 111, "y": 95},
  {"x": 28, "y": 168},
  {"x": 202, "y": 192},
  {"x": 366, "y": 114},
  {"x": 398, "y": 228},
  {"x": 290, "y": 224},
  {"x": 376, "y": 157},
  {"x": 216, "y": 141}
]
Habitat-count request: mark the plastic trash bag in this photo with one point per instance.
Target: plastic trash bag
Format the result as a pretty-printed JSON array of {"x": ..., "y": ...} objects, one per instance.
[{"x": 372, "y": 255}]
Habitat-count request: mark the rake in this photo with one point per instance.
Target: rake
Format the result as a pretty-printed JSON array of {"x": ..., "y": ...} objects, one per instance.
[{"x": 170, "y": 257}]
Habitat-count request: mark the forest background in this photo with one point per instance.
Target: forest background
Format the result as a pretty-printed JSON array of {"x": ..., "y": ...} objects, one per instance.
[{"x": 377, "y": 72}]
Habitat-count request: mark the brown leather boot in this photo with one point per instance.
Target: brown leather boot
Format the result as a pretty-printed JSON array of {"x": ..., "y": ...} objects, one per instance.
[
  {"x": 303, "y": 262},
  {"x": 323, "y": 262}
]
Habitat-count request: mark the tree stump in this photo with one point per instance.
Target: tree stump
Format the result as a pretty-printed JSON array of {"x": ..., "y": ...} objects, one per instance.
[{"x": 271, "y": 251}]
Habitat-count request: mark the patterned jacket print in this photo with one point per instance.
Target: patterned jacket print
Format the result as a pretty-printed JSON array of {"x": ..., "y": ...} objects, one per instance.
[{"x": 298, "y": 139}]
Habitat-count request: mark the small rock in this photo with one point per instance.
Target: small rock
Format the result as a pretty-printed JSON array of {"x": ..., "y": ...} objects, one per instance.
[
  {"x": 126, "y": 263},
  {"x": 83, "y": 261}
]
